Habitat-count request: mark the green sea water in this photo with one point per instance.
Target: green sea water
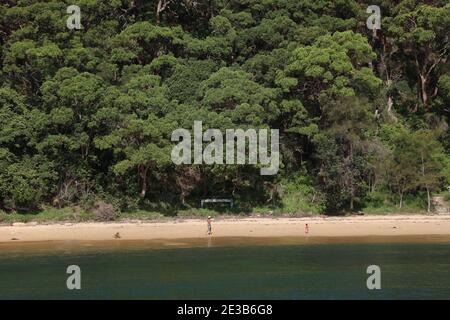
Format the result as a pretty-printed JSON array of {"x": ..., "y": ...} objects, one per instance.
[{"x": 239, "y": 270}]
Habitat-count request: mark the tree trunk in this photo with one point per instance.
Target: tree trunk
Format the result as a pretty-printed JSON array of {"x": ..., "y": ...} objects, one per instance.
[
  {"x": 401, "y": 200},
  {"x": 423, "y": 86},
  {"x": 426, "y": 185},
  {"x": 143, "y": 177},
  {"x": 352, "y": 187},
  {"x": 158, "y": 12},
  {"x": 183, "y": 198},
  {"x": 385, "y": 59},
  {"x": 390, "y": 103},
  {"x": 160, "y": 7}
]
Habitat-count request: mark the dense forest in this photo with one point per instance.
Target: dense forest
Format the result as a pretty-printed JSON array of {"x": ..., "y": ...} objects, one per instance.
[{"x": 87, "y": 113}]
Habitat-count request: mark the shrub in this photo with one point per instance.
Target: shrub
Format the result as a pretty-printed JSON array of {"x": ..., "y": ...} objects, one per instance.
[
  {"x": 300, "y": 196},
  {"x": 104, "y": 211}
]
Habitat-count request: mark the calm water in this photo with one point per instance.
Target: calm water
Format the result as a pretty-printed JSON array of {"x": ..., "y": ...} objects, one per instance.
[{"x": 293, "y": 271}]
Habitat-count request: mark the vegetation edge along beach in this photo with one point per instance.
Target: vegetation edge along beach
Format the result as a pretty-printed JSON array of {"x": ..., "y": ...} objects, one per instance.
[{"x": 87, "y": 113}]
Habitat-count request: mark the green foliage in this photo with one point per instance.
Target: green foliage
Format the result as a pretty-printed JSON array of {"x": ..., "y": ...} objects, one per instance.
[
  {"x": 344, "y": 150},
  {"x": 87, "y": 115},
  {"x": 416, "y": 162},
  {"x": 447, "y": 196},
  {"x": 333, "y": 63},
  {"x": 382, "y": 203},
  {"x": 300, "y": 196},
  {"x": 46, "y": 215}
]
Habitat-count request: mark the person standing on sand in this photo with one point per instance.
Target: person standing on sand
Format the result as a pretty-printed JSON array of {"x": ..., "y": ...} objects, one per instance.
[
  {"x": 209, "y": 226},
  {"x": 306, "y": 228}
]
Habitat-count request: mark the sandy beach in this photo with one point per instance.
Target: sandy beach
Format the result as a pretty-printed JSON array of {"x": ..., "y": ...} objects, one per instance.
[{"x": 354, "y": 226}]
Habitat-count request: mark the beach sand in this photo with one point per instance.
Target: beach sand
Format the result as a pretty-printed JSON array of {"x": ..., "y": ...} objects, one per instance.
[{"x": 354, "y": 226}]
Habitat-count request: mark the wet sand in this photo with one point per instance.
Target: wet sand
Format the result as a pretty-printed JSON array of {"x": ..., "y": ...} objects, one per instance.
[{"x": 96, "y": 246}]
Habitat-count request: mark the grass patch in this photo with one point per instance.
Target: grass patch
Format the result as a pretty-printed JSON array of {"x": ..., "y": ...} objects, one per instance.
[
  {"x": 140, "y": 215},
  {"x": 393, "y": 209},
  {"x": 380, "y": 203},
  {"x": 48, "y": 214}
]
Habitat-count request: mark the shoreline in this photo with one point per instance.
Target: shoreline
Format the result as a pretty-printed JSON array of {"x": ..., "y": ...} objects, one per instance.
[{"x": 331, "y": 227}]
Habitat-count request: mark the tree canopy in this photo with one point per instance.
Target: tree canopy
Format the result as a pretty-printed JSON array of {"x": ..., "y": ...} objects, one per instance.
[{"x": 88, "y": 113}]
